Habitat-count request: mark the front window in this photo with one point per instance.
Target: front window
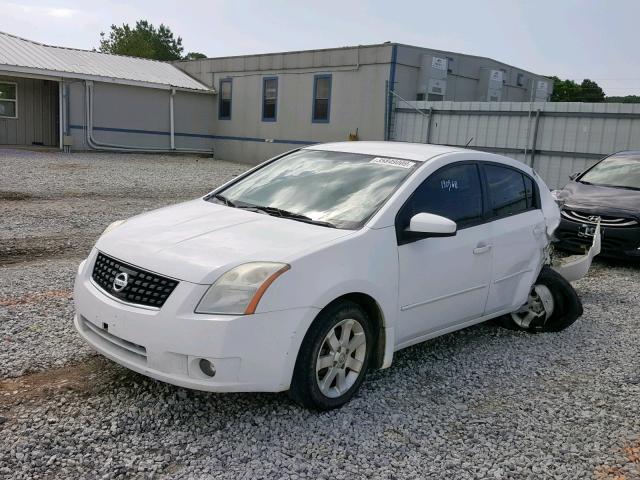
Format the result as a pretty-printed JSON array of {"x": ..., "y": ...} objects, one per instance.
[
  {"x": 269, "y": 99},
  {"x": 341, "y": 190},
  {"x": 8, "y": 100},
  {"x": 224, "y": 112},
  {"x": 620, "y": 171},
  {"x": 321, "y": 98},
  {"x": 454, "y": 192}
]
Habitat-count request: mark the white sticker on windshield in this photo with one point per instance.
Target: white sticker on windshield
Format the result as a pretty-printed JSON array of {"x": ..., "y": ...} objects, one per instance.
[{"x": 394, "y": 162}]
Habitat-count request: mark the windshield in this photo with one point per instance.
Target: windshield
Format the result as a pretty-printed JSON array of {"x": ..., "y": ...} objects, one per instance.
[
  {"x": 333, "y": 188},
  {"x": 619, "y": 171}
]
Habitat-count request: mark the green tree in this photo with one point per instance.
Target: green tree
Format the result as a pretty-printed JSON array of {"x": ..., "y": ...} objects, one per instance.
[
  {"x": 565, "y": 91},
  {"x": 570, "y": 91},
  {"x": 591, "y": 91},
  {"x": 142, "y": 41},
  {"x": 625, "y": 99},
  {"x": 194, "y": 56}
]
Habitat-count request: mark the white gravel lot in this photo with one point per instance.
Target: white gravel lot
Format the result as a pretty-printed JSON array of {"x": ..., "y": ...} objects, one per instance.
[{"x": 484, "y": 402}]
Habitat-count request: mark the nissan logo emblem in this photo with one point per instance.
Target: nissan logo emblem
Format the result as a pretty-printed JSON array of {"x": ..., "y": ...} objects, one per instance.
[{"x": 120, "y": 282}]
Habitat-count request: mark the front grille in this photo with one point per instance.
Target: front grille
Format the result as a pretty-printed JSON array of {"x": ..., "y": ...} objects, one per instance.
[
  {"x": 591, "y": 218},
  {"x": 142, "y": 287}
]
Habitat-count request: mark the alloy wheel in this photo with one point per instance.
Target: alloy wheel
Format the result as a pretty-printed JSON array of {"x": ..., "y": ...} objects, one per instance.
[
  {"x": 539, "y": 307},
  {"x": 341, "y": 358}
]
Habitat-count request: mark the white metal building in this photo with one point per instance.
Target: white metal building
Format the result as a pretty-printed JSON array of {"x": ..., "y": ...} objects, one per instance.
[
  {"x": 245, "y": 108},
  {"x": 274, "y": 102},
  {"x": 79, "y": 99}
]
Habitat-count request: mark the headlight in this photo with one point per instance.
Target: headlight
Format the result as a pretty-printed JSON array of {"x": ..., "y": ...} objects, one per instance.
[
  {"x": 113, "y": 225},
  {"x": 239, "y": 290}
]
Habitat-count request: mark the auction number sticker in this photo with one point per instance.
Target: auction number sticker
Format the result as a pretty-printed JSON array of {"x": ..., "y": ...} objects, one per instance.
[{"x": 394, "y": 162}]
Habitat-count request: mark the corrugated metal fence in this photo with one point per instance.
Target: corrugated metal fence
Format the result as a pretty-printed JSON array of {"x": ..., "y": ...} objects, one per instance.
[{"x": 557, "y": 139}]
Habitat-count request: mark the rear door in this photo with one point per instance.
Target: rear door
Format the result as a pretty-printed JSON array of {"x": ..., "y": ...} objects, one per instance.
[
  {"x": 444, "y": 282},
  {"x": 518, "y": 234}
]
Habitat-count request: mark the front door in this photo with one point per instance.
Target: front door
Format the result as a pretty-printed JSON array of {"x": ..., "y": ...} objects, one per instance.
[{"x": 444, "y": 282}]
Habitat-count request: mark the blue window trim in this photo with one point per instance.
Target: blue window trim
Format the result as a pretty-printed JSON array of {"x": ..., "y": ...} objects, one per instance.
[
  {"x": 230, "y": 82},
  {"x": 313, "y": 106},
  {"x": 392, "y": 87},
  {"x": 264, "y": 91}
]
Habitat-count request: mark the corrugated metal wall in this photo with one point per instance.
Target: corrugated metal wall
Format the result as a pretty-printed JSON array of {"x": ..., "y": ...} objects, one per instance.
[
  {"x": 140, "y": 117},
  {"x": 37, "y": 122},
  {"x": 557, "y": 139}
]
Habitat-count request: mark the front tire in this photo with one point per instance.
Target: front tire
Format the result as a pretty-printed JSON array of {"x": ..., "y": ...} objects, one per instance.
[
  {"x": 333, "y": 358},
  {"x": 552, "y": 306}
]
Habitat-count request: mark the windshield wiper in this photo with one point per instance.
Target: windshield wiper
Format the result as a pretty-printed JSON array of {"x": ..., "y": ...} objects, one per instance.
[
  {"x": 278, "y": 212},
  {"x": 626, "y": 187},
  {"x": 223, "y": 199}
]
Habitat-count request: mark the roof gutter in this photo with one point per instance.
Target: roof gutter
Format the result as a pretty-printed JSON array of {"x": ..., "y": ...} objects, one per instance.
[{"x": 57, "y": 75}]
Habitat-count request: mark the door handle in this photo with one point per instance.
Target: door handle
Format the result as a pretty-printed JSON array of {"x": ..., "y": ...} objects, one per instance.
[{"x": 481, "y": 248}]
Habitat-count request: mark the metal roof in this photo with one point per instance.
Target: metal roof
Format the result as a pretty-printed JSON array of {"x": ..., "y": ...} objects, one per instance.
[{"x": 25, "y": 56}]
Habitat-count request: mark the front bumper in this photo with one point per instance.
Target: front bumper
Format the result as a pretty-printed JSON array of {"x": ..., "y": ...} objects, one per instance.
[
  {"x": 617, "y": 242},
  {"x": 249, "y": 352}
]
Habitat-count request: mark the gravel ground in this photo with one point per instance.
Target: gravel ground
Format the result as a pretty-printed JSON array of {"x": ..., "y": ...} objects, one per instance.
[
  {"x": 53, "y": 204},
  {"x": 484, "y": 402}
]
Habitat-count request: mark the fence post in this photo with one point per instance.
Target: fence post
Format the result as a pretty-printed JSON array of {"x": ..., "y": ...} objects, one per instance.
[
  {"x": 534, "y": 141},
  {"x": 428, "y": 140}
]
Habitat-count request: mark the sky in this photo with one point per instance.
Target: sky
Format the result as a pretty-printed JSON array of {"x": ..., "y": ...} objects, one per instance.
[{"x": 576, "y": 39}]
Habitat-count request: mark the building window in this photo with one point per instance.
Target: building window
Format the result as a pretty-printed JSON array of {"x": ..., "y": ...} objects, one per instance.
[
  {"x": 321, "y": 98},
  {"x": 269, "y": 99},
  {"x": 8, "y": 100},
  {"x": 224, "y": 102},
  {"x": 520, "y": 79}
]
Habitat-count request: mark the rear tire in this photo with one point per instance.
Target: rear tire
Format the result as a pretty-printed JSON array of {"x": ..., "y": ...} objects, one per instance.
[
  {"x": 552, "y": 306},
  {"x": 334, "y": 357}
]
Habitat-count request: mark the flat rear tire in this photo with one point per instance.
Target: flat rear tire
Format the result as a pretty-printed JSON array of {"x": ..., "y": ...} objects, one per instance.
[{"x": 552, "y": 305}]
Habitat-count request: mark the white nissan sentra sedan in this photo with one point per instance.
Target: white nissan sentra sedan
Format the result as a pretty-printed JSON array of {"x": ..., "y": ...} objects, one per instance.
[{"x": 315, "y": 266}]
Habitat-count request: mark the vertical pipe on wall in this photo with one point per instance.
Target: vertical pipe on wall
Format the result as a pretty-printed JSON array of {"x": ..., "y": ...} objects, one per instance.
[
  {"x": 61, "y": 114},
  {"x": 173, "y": 141},
  {"x": 430, "y": 121},
  {"x": 391, "y": 88},
  {"x": 535, "y": 138}
]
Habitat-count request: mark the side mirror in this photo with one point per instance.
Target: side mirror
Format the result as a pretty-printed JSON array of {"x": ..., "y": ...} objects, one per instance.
[
  {"x": 430, "y": 225},
  {"x": 574, "y": 175}
]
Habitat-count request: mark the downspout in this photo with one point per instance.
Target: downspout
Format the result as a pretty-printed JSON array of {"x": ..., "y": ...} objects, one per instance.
[
  {"x": 173, "y": 140},
  {"x": 61, "y": 115},
  {"x": 392, "y": 82},
  {"x": 94, "y": 144}
]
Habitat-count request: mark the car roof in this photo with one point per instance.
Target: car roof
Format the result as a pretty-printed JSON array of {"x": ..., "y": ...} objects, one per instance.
[
  {"x": 627, "y": 153},
  {"x": 410, "y": 151}
]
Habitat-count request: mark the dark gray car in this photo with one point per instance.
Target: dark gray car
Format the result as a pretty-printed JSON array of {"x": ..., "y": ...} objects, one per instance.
[{"x": 609, "y": 192}]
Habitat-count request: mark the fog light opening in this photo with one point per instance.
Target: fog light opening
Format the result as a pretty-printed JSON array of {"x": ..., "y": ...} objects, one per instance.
[{"x": 207, "y": 367}]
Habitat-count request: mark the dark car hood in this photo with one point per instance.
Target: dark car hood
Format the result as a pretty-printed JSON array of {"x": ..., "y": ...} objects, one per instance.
[{"x": 602, "y": 200}]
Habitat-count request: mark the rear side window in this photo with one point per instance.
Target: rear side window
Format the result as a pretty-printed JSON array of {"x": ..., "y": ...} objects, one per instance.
[
  {"x": 453, "y": 192},
  {"x": 510, "y": 191}
]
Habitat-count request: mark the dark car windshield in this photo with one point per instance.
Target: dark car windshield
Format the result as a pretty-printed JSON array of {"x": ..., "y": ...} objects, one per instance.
[
  {"x": 335, "y": 188},
  {"x": 617, "y": 171}
]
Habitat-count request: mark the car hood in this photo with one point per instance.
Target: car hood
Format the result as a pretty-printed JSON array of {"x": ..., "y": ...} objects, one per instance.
[
  {"x": 193, "y": 240},
  {"x": 601, "y": 200}
]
